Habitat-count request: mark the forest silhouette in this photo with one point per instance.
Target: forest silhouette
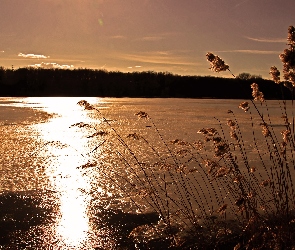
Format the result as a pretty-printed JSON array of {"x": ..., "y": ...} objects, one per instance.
[{"x": 101, "y": 83}]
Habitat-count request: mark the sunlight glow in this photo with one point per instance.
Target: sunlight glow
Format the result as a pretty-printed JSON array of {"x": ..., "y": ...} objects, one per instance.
[
  {"x": 100, "y": 22},
  {"x": 65, "y": 149}
]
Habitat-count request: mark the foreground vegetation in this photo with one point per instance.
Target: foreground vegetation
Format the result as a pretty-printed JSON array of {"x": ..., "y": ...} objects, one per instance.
[{"x": 225, "y": 192}]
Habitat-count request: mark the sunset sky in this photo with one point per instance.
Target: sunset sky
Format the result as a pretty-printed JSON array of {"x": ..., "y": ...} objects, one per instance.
[{"x": 145, "y": 35}]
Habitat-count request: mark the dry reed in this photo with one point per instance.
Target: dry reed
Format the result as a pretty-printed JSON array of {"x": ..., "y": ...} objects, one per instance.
[{"x": 220, "y": 193}]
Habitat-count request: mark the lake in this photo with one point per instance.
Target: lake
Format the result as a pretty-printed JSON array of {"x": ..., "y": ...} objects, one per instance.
[{"x": 73, "y": 178}]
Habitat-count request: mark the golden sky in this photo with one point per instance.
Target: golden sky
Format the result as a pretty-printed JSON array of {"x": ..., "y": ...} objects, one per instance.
[{"x": 145, "y": 35}]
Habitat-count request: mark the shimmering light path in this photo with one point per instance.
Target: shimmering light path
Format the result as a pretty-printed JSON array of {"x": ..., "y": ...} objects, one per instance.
[{"x": 65, "y": 151}]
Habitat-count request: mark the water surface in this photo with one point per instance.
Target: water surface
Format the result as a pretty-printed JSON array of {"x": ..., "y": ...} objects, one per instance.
[{"x": 51, "y": 164}]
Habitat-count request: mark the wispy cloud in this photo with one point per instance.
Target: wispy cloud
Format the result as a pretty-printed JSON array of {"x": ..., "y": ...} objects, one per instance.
[
  {"x": 33, "y": 56},
  {"x": 261, "y": 52},
  {"x": 137, "y": 66},
  {"x": 159, "y": 37},
  {"x": 158, "y": 57},
  {"x": 118, "y": 37},
  {"x": 52, "y": 66},
  {"x": 267, "y": 40}
]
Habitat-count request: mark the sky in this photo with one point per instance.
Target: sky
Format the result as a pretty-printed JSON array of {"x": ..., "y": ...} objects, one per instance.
[{"x": 145, "y": 35}]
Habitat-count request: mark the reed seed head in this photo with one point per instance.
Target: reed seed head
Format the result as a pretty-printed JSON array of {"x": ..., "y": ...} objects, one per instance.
[
  {"x": 275, "y": 74},
  {"x": 286, "y": 135},
  {"x": 245, "y": 106},
  {"x": 265, "y": 130},
  {"x": 198, "y": 144},
  {"x": 252, "y": 194},
  {"x": 233, "y": 135},
  {"x": 81, "y": 125},
  {"x": 193, "y": 170},
  {"x": 290, "y": 76},
  {"x": 222, "y": 209},
  {"x": 238, "y": 179},
  {"x": 142, "y": 114},
  {"x": 216, "y": 63},
  {"x": 231, "y": 123},
  {"x": 257, "y": 95},
  {"x": 89, "y": 164},
  {"x": 134, "y": 136},
  {"x": 223, "y": 171},
  {"x": 98, "y": 133},
  {"x": 211, "y": 165},
  {"x": 208, "y": 131},
  {"x": 86, "y": 105},
  {"x": 221, "y": 149},
  {"x": 288, "y": 58},
  {"x": 181, "y": 169},
  {"x": 217, "y": 139},
  {"x": 291, "y": 36},
  {"x": 179, "y": 142}
]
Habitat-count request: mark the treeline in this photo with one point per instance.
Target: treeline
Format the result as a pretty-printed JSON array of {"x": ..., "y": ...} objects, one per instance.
[{"x": 101, "y": 83}]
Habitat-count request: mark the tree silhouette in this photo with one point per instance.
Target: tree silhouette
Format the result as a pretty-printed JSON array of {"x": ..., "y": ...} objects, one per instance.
[{"x": 101, "y": 83}]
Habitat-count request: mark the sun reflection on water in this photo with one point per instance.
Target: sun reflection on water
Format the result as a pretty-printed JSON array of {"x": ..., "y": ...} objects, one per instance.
[{"x": 65, "y": 149}]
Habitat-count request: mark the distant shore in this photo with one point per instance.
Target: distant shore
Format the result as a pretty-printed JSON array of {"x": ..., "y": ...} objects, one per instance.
[{"x": 100, "y": 83}]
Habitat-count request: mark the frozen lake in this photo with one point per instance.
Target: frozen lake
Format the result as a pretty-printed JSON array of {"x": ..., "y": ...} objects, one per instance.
[{"x": 67, "y": 168}]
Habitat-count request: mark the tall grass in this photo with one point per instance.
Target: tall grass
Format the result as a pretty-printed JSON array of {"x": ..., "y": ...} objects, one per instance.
[{"x": 232, "y": 190}]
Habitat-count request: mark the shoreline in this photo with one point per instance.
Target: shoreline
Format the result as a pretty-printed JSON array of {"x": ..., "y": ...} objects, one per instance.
[{"x": 11, "y": 115}]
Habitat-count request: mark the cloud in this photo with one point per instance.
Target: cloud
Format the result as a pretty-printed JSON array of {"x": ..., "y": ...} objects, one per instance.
[
  {"x": 52, "y": 66},
  {"x": 1, "y": 51},
  {"x": 118, "y": 37},
  {"x": 137, "y": 66},
  {"x": 261, "y": 52},
  {"x": 157, "y": 57},
  {"x": 159, "y": 37},
  {"x": 265, "y": 40},
  {"x": 145, "y": 38},
  {"x": 33, "y": 56}
]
